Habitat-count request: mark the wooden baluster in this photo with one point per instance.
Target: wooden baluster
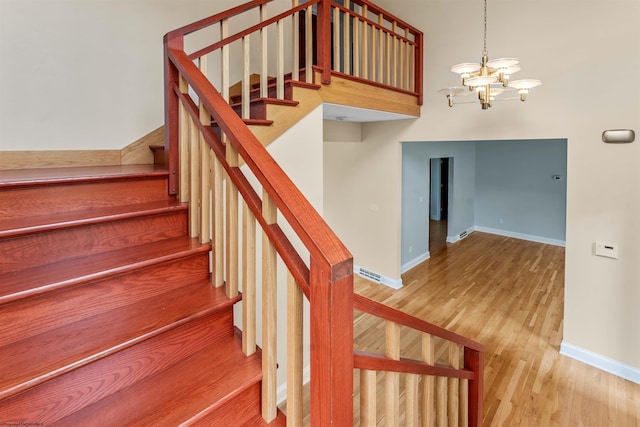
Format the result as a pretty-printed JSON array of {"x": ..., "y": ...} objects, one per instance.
[
  {"x": 452, "y": 398},
  {"x": 294, "y": 353},
  {"x": 346, "y": 49},
  {"x": 218, "y": 224},
  {"x": 392, "y": 379},
  {"x": 412, "y": 402},
  {"x": 394, "y": 54},
  {"x": 224, "y": 60},
  {"x": 269, "y": 315},
  {"x": 280, "y": 64},
  {"x": 407, "y": 60},
  {"x": 464, "y": 403},
  {"x": 248, "y": 280},
  {"x": 388, "y": 59},
  {"x": 246, "y": 83},
  {"x": 336, "y": 40},
  {"x": 441, "y": 402},
  {"x": 183, "y": 144},
  {"x": 296, "y": 43},
  {"x": 264, "y": 55},
  {"x": 205, "y": 171},
  {"x": 365, "y": 43},
  {"x": 381, "y": 50},
  {"x": 232, "y": 227},
  {"x": 412, "y": 70},
  {"x": 194, "y": 179},
  {"x": 368, "y": 414},
  {"x": 428, "y": 382},
  {"x": 309, "y": 45},
  {"x": 356, "y": 47}
]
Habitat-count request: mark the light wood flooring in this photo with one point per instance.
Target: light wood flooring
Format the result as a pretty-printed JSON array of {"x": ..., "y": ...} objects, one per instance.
[{"x": 508, "y": 295}]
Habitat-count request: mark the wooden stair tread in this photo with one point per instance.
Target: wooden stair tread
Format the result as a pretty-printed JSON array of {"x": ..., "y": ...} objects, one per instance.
[
  {"x": 180, "y": 394},
  {"x": 97, "y": 382},
  {"x": 37, "y": 280},
  {"x": 12, "y": 227},
  {"x": 46, "y": 176},
  {"x": 39, "y": 358},
  {"x": 250, "y": 122}
]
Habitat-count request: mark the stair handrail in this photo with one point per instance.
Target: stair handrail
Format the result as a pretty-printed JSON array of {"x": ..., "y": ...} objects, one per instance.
[{"x": 328, "y": 281}]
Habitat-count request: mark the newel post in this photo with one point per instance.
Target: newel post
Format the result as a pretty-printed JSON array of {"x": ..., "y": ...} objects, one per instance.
[
  {"x": 474, "y": 361},
  {"x": 171, "y": 107},
  {"x": 324, "y": 44},
  {"x": 331, "y": 324}
]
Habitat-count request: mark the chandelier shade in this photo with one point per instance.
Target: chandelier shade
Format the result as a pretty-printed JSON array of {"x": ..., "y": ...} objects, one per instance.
[{"x": 485, "y": 78}]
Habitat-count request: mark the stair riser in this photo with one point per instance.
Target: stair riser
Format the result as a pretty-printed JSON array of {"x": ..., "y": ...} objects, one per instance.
[
  {"x": 273, "y": 93},
  {"x": 61, "y": 397},
  {"x": 36, "y": 315},
  {"x": 57, "y": 245},
  {"x": 74, "y": 197},
  {"x": 257, "y": 111}
]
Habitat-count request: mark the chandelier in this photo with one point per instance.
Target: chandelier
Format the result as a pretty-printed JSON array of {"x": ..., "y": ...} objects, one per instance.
[{"x": 489, "y": 79}]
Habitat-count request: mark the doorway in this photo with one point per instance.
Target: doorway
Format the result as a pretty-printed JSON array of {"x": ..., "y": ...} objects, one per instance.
[{"x": 438, "y": 202}]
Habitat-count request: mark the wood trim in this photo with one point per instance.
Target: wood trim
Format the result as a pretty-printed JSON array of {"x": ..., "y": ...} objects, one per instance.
[
  {"x": 349, "y": 90},
  {"x": 61, "y": 158},
  {"x": 136, "y": 153}
]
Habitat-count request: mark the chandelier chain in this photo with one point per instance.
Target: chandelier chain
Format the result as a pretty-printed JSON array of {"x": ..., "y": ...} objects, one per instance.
[{"x": 484, "y": 52}]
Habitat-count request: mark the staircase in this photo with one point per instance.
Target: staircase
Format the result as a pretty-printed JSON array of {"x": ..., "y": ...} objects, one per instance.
[
  {"x": 118, "y": 284},
  {"x": 107, "y": 312}
]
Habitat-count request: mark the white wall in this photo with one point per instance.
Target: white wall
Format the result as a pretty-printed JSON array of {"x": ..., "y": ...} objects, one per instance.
[
  {"x": 88, "y": 74},
  {"x": 587, "y": 53},
  {"x": 299, "y": 152}
]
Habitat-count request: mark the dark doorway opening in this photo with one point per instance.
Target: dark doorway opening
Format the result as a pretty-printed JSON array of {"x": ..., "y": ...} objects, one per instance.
[{"x": 438, "y": 203}]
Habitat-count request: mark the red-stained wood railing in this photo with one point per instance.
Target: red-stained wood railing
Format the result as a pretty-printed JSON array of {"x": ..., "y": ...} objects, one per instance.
[
  {"x": 371, "y": 45},
  {"x": 235, "y": 188},
  {"x": 229, "y": 203},
  {"x": 451, "y": 393}
]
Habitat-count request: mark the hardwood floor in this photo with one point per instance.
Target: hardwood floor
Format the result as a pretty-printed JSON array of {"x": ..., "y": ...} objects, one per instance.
[{"x": 507, "y": 294}]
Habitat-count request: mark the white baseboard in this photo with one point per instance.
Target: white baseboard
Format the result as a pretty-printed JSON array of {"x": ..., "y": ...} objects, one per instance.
[
  {"x": 377, "y": 277},
  {"x": 417, "y": 260},
  {"x": 520, "y": 236},
  {"x": 604, "y": 363},
  {"x": 456, "y": 238},
  {"x": 281, "y": 391}
]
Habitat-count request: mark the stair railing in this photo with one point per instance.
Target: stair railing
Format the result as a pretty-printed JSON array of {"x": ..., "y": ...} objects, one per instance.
[
  {"x": 234, "y": 186},
  {"x": 447, "y": 394},
  {"x": 370, "y": 44}
]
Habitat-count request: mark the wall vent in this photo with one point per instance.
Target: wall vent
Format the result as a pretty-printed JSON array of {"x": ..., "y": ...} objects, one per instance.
[
  {"x": 463, "y": 235},
  {"x": 369, "y": 275}
]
